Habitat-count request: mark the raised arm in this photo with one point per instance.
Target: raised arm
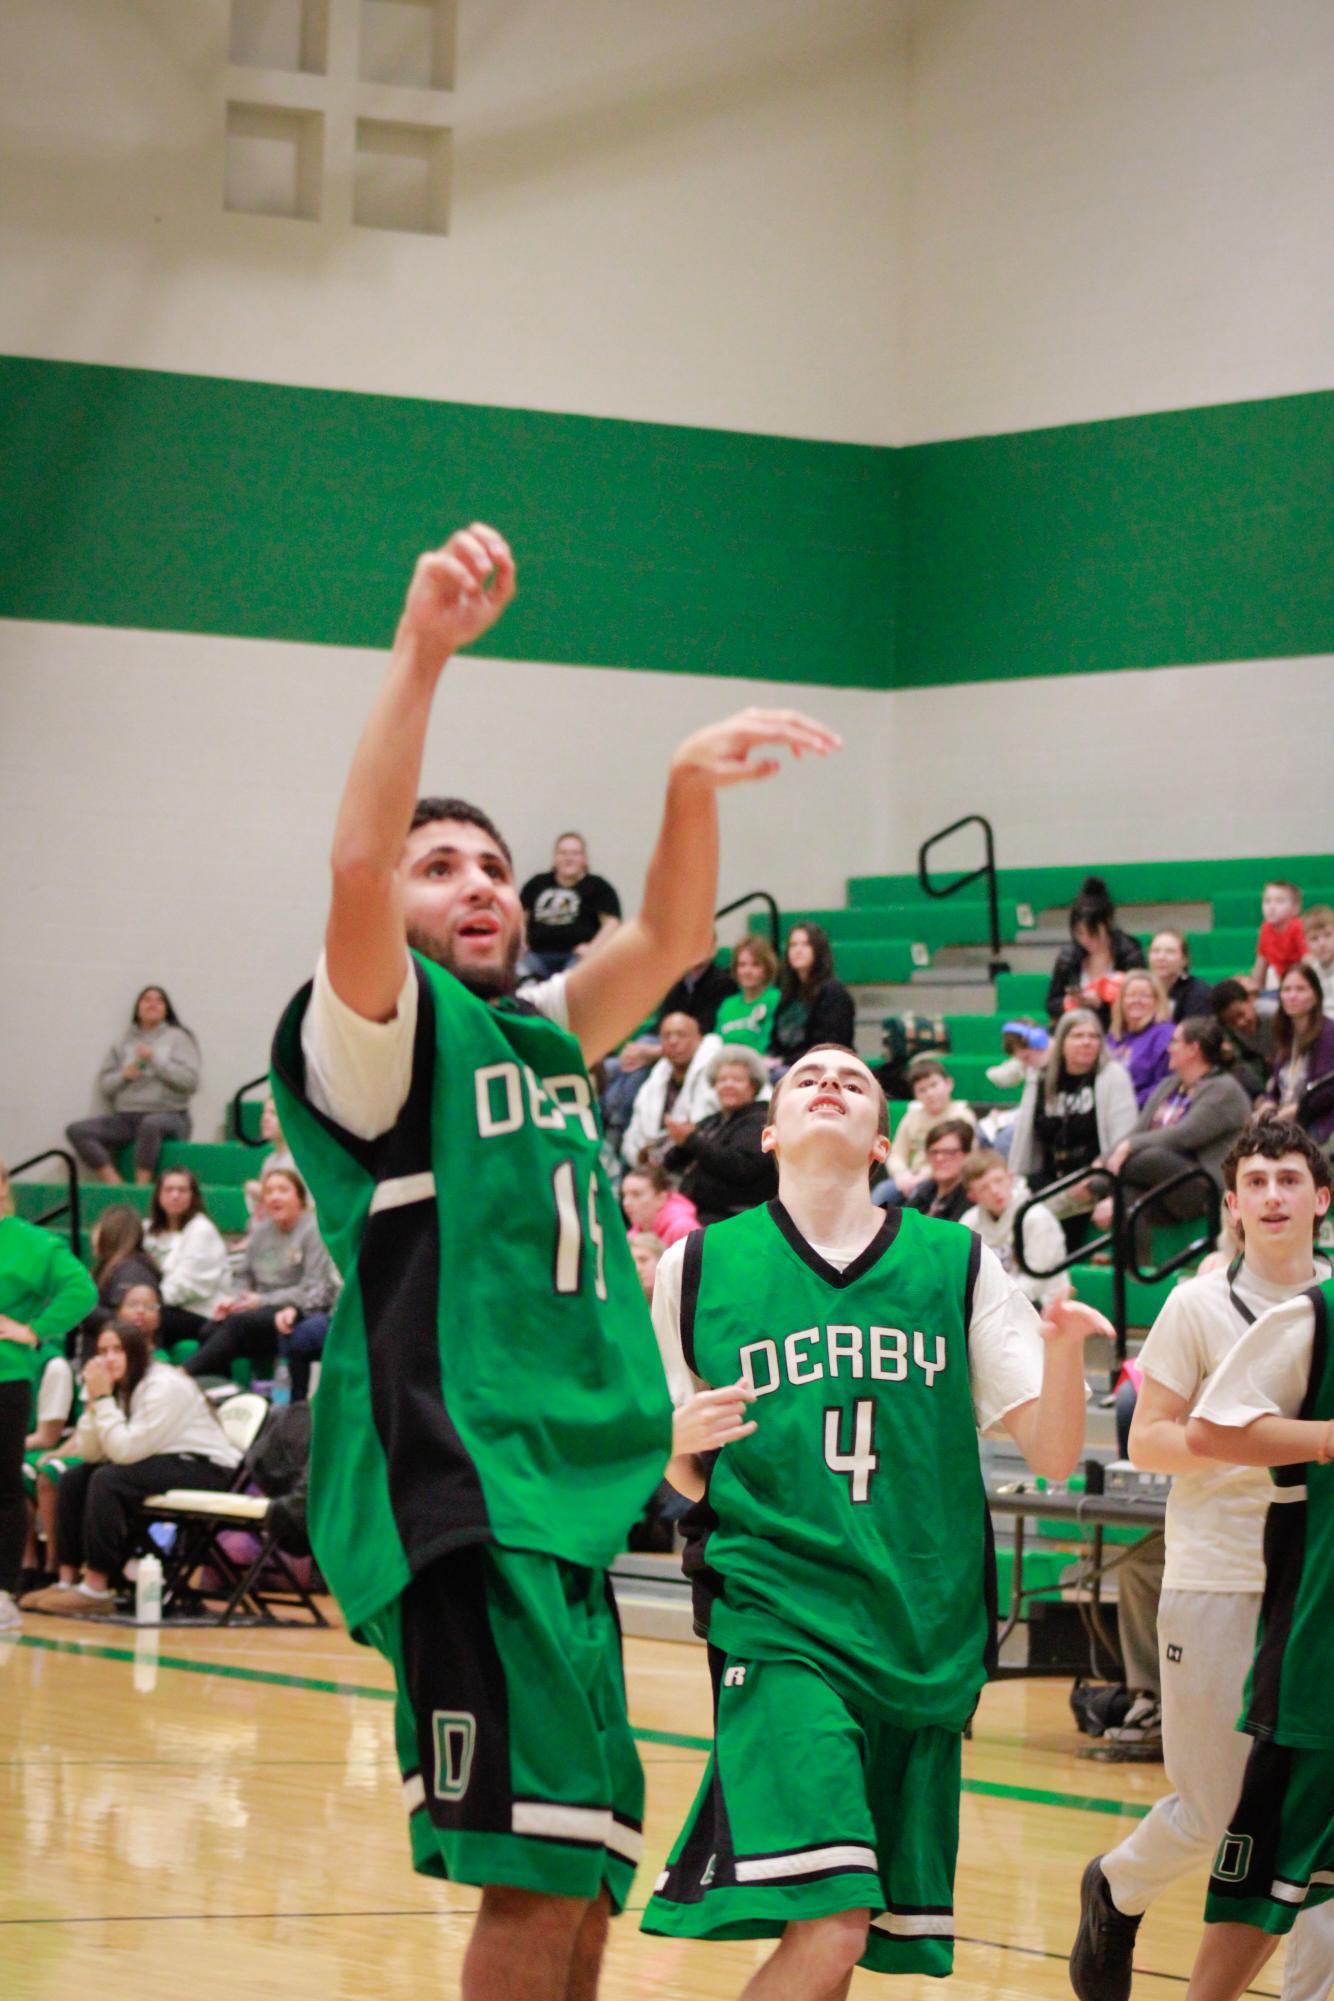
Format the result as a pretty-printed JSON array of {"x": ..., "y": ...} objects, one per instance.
[
  {"x": 457, "y": 593},
  {"x": 612, "y": 990}
]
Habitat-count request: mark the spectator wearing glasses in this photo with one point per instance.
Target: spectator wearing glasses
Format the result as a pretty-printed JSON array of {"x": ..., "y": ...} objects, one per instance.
[{"x": 943, "y": 1192}]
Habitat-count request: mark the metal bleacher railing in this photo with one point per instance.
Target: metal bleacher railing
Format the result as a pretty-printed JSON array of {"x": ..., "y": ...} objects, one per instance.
[
  {"x": 757, "y": 896},
  {"x": 1120, "y": 1239},
  {"x": 987, "y": 869},
  {"x": 69, "y": 1207}
]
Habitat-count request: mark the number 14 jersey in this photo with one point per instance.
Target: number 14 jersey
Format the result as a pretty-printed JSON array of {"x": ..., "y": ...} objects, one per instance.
[{"x": 850, "y": 1529}]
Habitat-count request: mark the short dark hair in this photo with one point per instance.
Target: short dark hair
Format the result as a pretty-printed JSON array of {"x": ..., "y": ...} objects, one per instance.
[
  {"x": 952, "y": 1129},
  {"x": 925, "y": 1066},
  {"x": 1270, "y": 1139},
  {"x": 429, "y": 809},
  {"x": 1226, "y": 994}
]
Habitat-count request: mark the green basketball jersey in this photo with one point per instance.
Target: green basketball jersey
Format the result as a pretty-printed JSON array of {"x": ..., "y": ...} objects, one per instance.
[
  {"x": 1289, "y": 1690},
  {"x": 850, "y": 1529},
  {"x": 491, "y": 1373}
]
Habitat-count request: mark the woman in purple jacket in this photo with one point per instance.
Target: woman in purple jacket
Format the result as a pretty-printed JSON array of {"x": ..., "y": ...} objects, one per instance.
[{"x": 1141, "y": 1032}]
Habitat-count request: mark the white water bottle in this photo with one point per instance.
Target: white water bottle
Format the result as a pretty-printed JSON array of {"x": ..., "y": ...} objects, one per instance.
[{"x": 148, "y": 1592}]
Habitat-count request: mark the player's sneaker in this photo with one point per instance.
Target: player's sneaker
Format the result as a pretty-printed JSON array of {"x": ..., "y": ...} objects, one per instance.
[
  {"x": 10, "y": 1616},
  {"x": 1100, "y": 1959},
  {"x": 1142, "y": 1723}
]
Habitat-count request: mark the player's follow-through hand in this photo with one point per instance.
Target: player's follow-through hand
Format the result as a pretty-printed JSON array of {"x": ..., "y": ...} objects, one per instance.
[
  {"x": 722, "y": 752},
  {"x": 712, "y": 1418},
  {"x": 458, "y": 592},
  {"x": 1071, "y": 1320}
]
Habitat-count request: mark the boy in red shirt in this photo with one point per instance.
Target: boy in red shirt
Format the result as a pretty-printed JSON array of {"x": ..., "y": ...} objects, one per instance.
[{"x": 1282, "y": 941}]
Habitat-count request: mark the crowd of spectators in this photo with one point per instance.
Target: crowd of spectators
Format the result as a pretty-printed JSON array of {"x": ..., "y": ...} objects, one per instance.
[{"x": 1142, "y": 1071}]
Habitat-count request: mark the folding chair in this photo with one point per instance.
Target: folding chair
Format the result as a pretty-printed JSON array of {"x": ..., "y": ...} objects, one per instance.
[{"x": 201, "y": 1518}]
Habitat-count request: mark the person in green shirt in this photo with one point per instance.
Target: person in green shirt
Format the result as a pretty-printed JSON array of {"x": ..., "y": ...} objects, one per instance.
[
  {"x": 492, "y": 1414},
  {"x": 44, "y": 1292},
  {"x": 747, "y": 1018}
]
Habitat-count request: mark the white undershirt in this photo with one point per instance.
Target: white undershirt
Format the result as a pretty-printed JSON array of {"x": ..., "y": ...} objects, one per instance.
[
  {"x": 1269, "y": 1370},
  {"x": 359, "y": 1072},
  {"x": 1004, "y": 1345}
]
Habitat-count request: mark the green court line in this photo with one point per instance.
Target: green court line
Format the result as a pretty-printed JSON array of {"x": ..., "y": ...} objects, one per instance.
[{"x": 673, "y": 1739}]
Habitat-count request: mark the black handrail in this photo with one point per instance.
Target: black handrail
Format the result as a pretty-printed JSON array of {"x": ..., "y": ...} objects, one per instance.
[
  {"x": 238, "y": 1128},
  {"x": 756, "y": 896},
  {"x": 987, "y": 869},
  {"x": 1120, "y": 1238},
  {"x": 71, "y": 1202}
]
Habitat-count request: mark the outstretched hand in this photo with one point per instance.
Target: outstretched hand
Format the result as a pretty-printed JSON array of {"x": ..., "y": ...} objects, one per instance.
[
  {"x": 712, "y": 1418},
  {"x": 1072, "y": 1320},
  {"x": 722, "y": 752},
  {"x": 457, "y": 593}
]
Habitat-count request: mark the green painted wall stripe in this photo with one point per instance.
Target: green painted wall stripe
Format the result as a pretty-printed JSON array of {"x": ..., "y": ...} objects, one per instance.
[
  {"x": 194, "y": 504},
  {"x": 1193, "y": 535},
  {"x": 188, "y": 503},
  {"x": 1035, "y": 1796}
]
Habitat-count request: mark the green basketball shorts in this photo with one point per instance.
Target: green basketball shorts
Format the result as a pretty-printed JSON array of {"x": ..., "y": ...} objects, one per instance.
[
  {"x": 1277, "y": 1856},
  {"x": 808, "y": 1808},
  {"x": 510, "y": 1723}
]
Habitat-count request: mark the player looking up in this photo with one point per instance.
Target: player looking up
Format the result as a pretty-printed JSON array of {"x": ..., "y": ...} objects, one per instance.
[
  {"x": 844, "y": 1358},
  {"x": 1277, "y": 1185},
  {"x": 492, "y": 1415}
]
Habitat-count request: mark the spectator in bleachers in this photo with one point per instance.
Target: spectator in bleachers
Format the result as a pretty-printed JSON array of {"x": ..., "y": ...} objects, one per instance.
[
  {"x": 1251, "y": 1033},
  {"x": 700, "y": 992},
  {"x": 1074, "y": 1113},
  {"x": 1303, "y": 1050},
  {"x": 1169, "y": 958},
  {"x": 567, "y": 909},
  {"x": 1282, "y": 939},
  {"x": 189, "y": 1252},
  {"x": 652, "y": 1203},
  {"x": 278, "y": 1155},
  {"x": 722, "y": 1165},
  {"x": 997, "y": 1196},
  {"x": 1190, "y": 1121},
  {"x": 1319, "y": 927},
  {"x": 145, "y": 1427},
  {"x": 1024, "y": 1046},
  {"x": 119, "y": 1259},
  {"x": 746, "y": 1018},
  {"x": 932, "y": 1088},
  {"x": 646, "y": 1248},
  {"x": 676, "y": 1091},
  {"x": 1141, "y": 1032},
  {"x": 287, "y": 1287},
  {"x": 942, "y": 1193},
  {"x": 1086, "y": 971},
  {"x": 149, "y": 1076},
  {"x": 44, "y": 1293},
  {"x": 813, "y": 1006}
]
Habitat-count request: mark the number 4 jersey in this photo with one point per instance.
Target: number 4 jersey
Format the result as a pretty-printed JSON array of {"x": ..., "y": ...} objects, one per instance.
[
  {"x": 850, "y": 1529},
  {"x": 491, "y": 1373}
]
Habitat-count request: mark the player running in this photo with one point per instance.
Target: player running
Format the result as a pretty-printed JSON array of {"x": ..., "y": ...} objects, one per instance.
[
  {"x": 844, "y": 1358},
  {"x": 492, "y": 1414}
]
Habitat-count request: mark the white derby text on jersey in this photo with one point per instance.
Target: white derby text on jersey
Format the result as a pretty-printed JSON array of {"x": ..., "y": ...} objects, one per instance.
[{"x": 810, "y": 1354}]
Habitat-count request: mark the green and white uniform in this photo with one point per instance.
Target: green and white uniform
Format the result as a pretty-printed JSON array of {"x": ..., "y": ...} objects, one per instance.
[
  {"x": 1277, "y": 1857},
  {"x": 842, "y": 1568},
  {"x": 490, "y": 1383}
]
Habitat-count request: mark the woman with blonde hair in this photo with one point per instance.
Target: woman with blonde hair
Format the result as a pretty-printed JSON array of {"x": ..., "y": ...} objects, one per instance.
[
  {"x": 1075, "y": 1111},
  {"x": 1141, "y": 1031}
]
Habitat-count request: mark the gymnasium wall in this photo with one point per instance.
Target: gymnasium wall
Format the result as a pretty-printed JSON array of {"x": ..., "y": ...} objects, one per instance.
[{"x": 940, "y": 367}]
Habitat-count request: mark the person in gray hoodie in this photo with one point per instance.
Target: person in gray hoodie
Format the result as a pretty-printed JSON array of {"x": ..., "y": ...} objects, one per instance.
[
  {"x": 286, "y": 1287},
  {"x": 148, "y": 1078}
]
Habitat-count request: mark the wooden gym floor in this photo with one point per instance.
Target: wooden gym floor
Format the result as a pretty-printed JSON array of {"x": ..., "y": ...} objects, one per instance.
[{"x": 204, "y": 1814}]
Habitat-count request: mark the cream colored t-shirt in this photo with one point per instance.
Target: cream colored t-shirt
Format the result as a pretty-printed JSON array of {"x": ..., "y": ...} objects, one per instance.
[{"x": 1216, "y": 1517}]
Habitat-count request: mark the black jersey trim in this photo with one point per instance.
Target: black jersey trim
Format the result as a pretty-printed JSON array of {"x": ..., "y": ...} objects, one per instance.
[
  {"x": 1285, "y": 1557},
  {"x": 692, "y": 1268},
  {"x": 288, "y": 1065},
  {"x": 970, "y": 1285},
  {"x": 1295, "y": 1476},
  {"x": 861, "y": 1264}
]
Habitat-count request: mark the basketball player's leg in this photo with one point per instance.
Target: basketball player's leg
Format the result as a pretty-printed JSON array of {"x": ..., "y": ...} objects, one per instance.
[
  {"x": 526, "y": 1946},
  {"x": 814, "y": 1960}
]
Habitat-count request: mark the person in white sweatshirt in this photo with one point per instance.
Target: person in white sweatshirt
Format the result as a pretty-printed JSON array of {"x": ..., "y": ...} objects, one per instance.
[
  {"x": 145, "y": 1427},
  {"x": 997, "y": 1197},
  {"x": 676, "y": 1094},
  {"x": 190, "y": 1254}
]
